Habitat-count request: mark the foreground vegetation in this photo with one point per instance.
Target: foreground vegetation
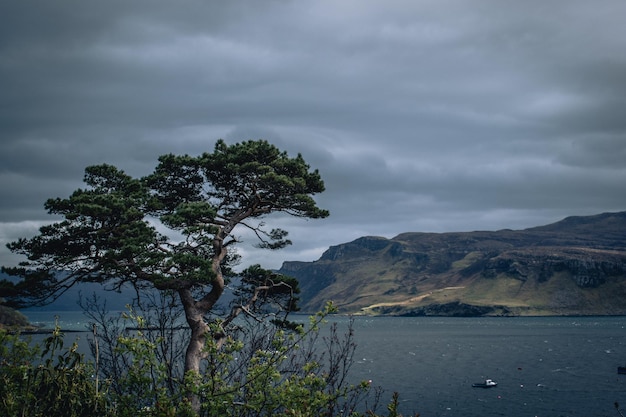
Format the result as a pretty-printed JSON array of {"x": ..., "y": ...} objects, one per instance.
[{"x": 284, "y": 373}]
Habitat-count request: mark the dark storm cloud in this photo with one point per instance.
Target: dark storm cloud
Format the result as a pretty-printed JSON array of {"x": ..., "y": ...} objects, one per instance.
[{"x": 426, "y": 116}]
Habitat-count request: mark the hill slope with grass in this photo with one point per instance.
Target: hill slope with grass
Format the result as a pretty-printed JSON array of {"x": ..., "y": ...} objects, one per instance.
[
  {"x": 573, "y": 267},
  {"x": 12, "y": 319}
]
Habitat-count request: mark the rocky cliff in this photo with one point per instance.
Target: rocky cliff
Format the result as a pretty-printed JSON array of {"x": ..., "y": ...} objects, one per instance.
[{"x": 575, "y": 266}]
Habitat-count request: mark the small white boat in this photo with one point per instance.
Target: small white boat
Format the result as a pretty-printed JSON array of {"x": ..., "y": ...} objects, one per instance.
[{"x": 489, "y": 383}]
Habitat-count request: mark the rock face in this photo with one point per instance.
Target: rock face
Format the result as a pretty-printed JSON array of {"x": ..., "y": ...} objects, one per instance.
[
  {"x": 575, "y": 266},
  {"x": 12, "y": 319}
]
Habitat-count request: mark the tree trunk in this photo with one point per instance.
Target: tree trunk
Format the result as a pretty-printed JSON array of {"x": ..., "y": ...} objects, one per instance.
[
  {"x": 200, "y": 330},
  {"x": 195, "y": 349},
  {"x": 195, "y": 310}
]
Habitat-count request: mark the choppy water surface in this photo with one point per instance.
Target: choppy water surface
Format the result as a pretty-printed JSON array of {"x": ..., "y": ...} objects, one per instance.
[
  {"x": 543, "y": 366},
  {"x": 546, "y": 367}
]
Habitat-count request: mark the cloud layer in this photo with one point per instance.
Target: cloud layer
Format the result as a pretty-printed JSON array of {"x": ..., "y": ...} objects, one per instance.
[{"x": 432, "y": 115}]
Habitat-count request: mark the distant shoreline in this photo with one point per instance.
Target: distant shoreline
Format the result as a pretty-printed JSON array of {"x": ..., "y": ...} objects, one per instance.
[{"x": 42, "y": 331}]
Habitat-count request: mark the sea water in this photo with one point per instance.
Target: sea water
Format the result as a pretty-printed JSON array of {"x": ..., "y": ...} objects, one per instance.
[
  {"x": 553, "y": 366},
  {"x": 544, "y": 366}
]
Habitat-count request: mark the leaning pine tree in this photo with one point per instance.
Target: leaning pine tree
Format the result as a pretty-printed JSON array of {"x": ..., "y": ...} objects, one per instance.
[{"x": 110, "y": 230}]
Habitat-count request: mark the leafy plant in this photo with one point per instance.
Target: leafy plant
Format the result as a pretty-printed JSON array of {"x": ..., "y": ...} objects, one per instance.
[
  {"x": 268, "y": 371},
  {"x": 60, "y": 384}
]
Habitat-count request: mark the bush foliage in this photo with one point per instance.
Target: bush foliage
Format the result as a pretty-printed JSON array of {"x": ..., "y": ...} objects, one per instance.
[{"x": 273, "y": 372}]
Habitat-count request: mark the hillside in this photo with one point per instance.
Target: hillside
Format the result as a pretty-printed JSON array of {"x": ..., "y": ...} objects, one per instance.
[
  {"x": 12, "y": 319},
  {"x": 573, "y": 267}
]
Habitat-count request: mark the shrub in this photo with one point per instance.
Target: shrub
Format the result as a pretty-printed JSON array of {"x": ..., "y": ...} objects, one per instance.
[
  {"x": 265, "y": 371},
  {"x": 55, "y": 383}
]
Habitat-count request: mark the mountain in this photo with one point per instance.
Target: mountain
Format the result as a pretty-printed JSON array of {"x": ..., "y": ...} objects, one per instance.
[{"x": 576, "y": 266}]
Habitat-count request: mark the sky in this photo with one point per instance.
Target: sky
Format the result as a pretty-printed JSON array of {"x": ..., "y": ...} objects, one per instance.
[{"x": 420, "y": 115}]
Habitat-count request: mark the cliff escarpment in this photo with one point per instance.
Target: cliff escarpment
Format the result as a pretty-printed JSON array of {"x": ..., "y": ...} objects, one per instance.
[{"x": 573, "y": 267}]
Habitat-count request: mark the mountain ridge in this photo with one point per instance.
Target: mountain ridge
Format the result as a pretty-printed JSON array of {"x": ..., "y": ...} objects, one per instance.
[{"x": 576, "y": 266}]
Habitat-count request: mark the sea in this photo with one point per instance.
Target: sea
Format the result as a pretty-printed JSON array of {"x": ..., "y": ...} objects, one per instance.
[{"x": 544, "y": 366}]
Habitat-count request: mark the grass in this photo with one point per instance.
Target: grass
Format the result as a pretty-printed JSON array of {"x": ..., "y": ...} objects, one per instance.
[{"x": 468, "y": 260}]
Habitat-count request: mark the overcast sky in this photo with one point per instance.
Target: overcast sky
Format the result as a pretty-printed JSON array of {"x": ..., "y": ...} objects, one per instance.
[{"x": 421, "y": 115}]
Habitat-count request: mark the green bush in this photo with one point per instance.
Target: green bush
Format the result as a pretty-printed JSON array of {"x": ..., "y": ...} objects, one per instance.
[
  {"x": 274, "y": 373},
  {"x": 56, "y": 382}
]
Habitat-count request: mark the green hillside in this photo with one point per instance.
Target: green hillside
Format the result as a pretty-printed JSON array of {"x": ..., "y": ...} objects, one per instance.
[{"x": 573, "y": 267}]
